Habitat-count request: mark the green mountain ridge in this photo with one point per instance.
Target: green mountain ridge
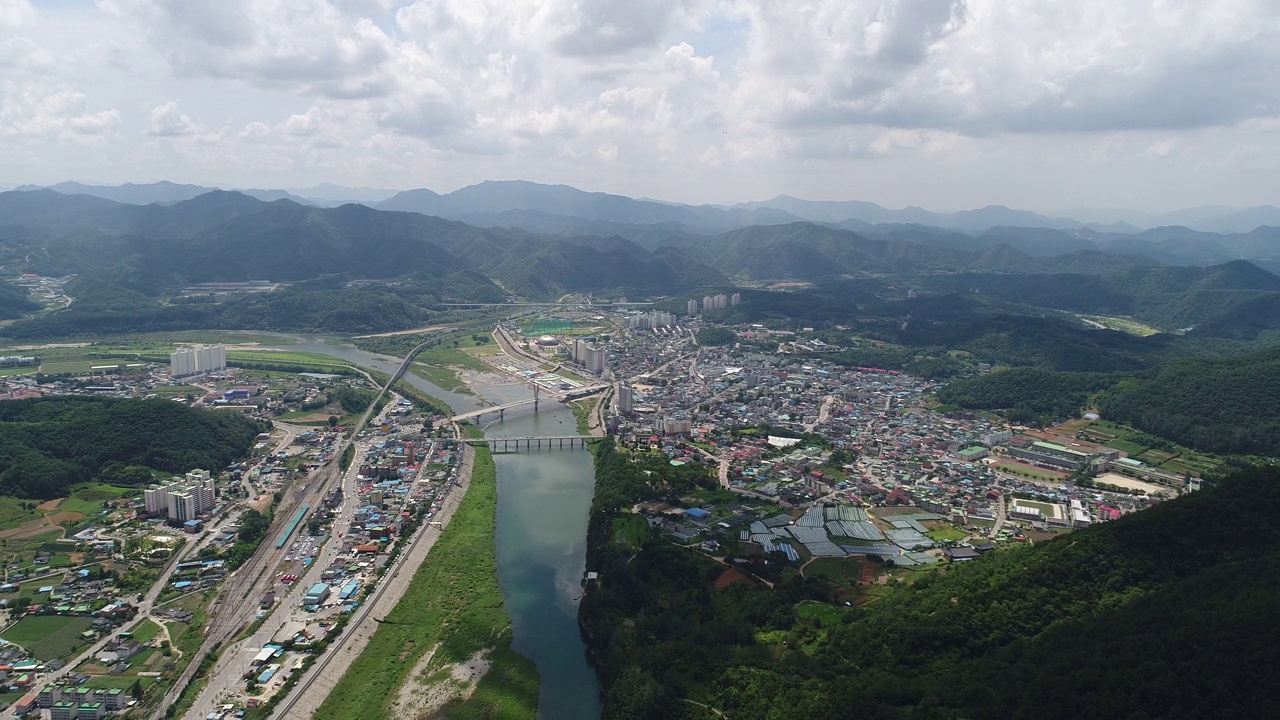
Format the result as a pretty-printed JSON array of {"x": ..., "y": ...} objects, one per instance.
[{"x": 1180, "y": 610}]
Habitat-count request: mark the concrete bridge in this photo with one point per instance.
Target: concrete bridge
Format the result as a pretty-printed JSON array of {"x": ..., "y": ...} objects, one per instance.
[
  {"x": 515, "y": 444},
  {"x": 567, "y": 395}
]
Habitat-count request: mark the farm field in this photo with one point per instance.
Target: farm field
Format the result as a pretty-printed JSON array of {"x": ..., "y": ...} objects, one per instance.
[{"x": 49, "y": 637}]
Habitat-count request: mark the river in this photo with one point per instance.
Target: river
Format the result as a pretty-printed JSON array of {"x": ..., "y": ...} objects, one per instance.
[{"x": 544, "y": 498}]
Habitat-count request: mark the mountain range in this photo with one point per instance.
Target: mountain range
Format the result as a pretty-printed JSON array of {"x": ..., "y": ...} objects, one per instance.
[
  {"x": 519, "y": 203},
  {"x": 1170, "y": 278}
]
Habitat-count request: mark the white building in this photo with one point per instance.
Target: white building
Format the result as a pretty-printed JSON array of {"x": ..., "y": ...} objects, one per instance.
[
  {"x": 626, "y": 399},
  {"x": 193, "y": 361},
  {"x": 183, "y": 498}
]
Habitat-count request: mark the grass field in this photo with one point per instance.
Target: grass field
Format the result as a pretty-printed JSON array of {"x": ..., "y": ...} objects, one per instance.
[
  {"x": 50, "y": 637},
  {"x": 1033, "y": 472},
  {"x": 441, "y": 376},
  {"x": 1127, "y": 325},
  {"x": 840, "y": 571},
  {"x": 454, "y": 606},
  {"x": 825, "y": 614},
  {"x": 945, "y": 534},
  {"x": 630, "y": 530},
  {"x": 145, "y": 631}
]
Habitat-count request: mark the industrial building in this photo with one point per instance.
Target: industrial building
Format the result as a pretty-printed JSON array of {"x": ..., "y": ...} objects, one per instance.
[
  {"x": 316, "y": 594},
  {"x": 195, "y": 361}
]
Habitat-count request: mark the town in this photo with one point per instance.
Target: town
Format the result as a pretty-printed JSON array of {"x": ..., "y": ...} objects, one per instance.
[{"x": 813, "y": 460}]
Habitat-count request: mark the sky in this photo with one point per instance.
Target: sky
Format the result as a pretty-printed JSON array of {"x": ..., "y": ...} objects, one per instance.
[{"x": 944, "y": 104}]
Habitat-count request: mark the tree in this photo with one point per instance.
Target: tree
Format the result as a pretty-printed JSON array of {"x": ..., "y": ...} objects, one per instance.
[
  {"x": 135, "y": 690},
  {"x": 333, "y": 421}
]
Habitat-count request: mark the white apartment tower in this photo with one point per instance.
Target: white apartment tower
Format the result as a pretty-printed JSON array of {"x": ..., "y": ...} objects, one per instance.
[
  {"x": 183, "y": 498},
  {"x": 193, "y": 361}
]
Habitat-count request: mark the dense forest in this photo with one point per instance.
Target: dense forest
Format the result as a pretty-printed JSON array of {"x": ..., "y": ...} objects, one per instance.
[
  {"x": 1223, "y": 405},
  {"x": 49, "y": 444},
  {"x": 1158, "y": 614}
]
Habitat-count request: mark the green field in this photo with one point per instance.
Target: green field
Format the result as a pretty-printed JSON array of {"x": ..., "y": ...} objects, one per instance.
[
  {"x": 49, "y": 637},
  {"x": 454, "y": 606},
  {"x": 945, "y": 534},
  {"x": 145, "y": 631},
  {"x": 1034, "y": 473},
  {"x": 443, "y": 376},
  {"x": 825, "y": 614},
  {"x": 1126, "y": 446},
  {"x": 630, "y": 530},
  {"x": 840, "y": 571}
]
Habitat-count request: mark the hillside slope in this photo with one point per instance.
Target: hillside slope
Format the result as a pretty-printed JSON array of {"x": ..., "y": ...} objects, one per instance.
[{"x": 1087, "y": 625}]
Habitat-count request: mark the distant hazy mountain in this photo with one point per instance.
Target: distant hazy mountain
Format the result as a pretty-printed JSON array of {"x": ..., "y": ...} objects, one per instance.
[
  {"x": 160, "y": 192},
  {"x": 1207, "y": 218},
  {"x": 330, "y": 194},
  {"x": 496, "y": 197},
  {"x": 965, "y": 220},
  {"x": 163, "y": 192}
]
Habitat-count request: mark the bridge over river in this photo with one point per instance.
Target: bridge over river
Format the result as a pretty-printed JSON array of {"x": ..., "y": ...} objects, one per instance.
[
  {"x": 574, "y": 394},
  {"x": 514, "y": 444}
]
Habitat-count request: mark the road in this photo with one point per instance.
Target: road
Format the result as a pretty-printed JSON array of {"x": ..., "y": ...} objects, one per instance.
[
  {"x": 238, "y": 598},
  {"x": 823, "y": 412},
  {"x": 320, "y": 679},
  {"x": 1001, "y": 516}
]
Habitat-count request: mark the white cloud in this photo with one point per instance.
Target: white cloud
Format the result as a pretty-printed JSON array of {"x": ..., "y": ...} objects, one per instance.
[
  {"x": 15, "y": 13},
  {"x": 696, "y": 99},
  {"x": 167, "y": 121}
]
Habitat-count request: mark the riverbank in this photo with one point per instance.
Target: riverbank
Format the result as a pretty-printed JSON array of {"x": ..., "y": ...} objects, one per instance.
[{"x": 446, "y": 647}]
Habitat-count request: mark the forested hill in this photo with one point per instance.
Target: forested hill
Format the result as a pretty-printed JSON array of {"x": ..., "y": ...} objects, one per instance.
[
  {"x": 1168, "y": 613},
  {"x": 1225, "y": 405},
  {"x": 48, "y": 444}
]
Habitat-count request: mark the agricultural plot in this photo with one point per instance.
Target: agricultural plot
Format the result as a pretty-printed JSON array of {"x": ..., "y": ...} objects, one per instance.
[{"x": 50, "y": 637}]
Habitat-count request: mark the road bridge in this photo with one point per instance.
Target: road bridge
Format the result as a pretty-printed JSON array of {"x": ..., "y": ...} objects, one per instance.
[
  {"x": 574, "y": 394},
  {"x": 514, "y": 444}
]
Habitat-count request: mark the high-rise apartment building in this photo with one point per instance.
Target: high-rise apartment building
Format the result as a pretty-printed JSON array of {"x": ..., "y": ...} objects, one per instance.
[
  {"x": 183, "y": 498},
  {"x": 193, "y": 361}
]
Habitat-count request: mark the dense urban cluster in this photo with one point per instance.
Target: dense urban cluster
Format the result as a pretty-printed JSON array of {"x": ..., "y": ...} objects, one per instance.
[{"x": 790, "y": 433}]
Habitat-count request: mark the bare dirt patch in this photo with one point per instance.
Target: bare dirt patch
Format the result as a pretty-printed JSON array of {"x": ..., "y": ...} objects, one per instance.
[
  {"x": 428, "y": 690},
  {"x": 25, "y": 530},
  {"x": 731, "y": 576},
  {"x": 50, "y": 505},
  {"x": 63, "y": 516}
]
